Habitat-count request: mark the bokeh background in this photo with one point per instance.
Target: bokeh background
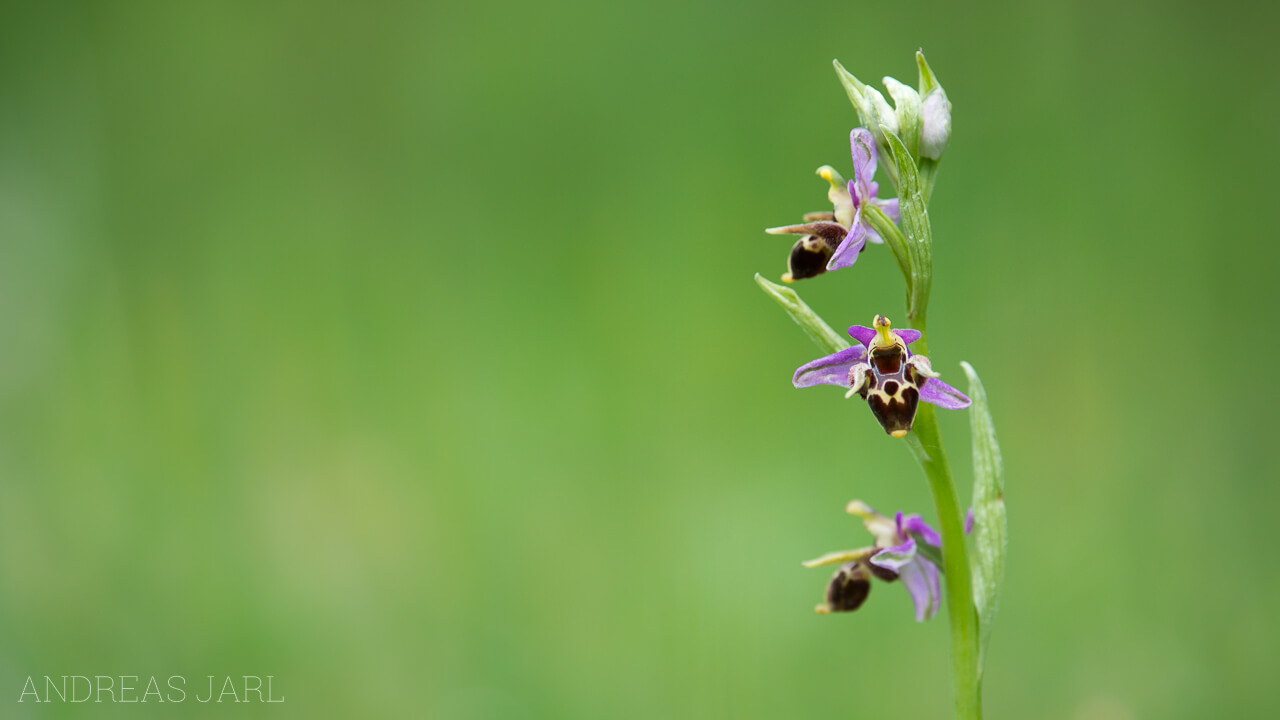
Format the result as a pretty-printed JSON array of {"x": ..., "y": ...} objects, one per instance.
[{"x": 409, "y": 353}]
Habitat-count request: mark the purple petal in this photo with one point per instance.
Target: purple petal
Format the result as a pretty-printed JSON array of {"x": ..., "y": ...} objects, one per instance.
[
  {"x": 856, "y": 193},
  {"x": 829, "y": 370},
  {"x": 890, "y": 208},
  {"x": 968, "y": 522},
  {"x": 847, "y": 253},
  {"x": 915, "y": 524},
  {"x": 908, "y": 335},
  {"x": 862, "y": 334},
  {"x": 865, "y": 335},
  {"x": 897, "y": 557},
  {"x": 943, "y": 395},
  {"x": 913, "y": 576},
  {"x": 935, "y": 588},
  {"x": 863, "y": 145}
]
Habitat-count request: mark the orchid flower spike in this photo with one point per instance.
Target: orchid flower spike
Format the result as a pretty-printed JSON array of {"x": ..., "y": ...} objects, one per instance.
[{"x": 882, "y": 371}]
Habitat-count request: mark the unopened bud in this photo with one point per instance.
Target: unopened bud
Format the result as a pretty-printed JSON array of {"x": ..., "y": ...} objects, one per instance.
[
  {"x": 906, "y": 103},
  {"x": 884, "y": 117},
  {"x": 935, "y": 113},
  {"x": 935, "y": 124}
]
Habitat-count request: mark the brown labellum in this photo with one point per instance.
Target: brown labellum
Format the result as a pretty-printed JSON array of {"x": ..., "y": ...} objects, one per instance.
[{"x": 894, "y": 392}]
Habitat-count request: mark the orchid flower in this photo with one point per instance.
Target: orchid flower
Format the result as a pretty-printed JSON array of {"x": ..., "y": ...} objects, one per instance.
[
  {"x": 881, "y": 370},
  {"x": 895, "y": 555},
  {"x": 833, "y": 240}
]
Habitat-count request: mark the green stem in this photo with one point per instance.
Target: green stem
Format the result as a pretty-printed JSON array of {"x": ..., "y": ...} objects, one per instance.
[{"x": 926, "y": 444}]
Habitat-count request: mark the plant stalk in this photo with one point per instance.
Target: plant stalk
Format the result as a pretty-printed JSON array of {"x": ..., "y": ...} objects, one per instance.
[{"x": 926, "y": 444}]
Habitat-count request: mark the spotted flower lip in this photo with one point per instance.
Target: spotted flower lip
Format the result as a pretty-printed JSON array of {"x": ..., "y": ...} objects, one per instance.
[
  {"x": 862, "y": 191},
  {"x": 882, "y": 370},
  {"x": 895, "y": 556}
]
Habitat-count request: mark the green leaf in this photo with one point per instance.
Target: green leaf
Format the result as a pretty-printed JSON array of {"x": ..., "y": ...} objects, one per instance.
[
  {"x": 815, "y": 327},
  {"x": 854, "y": 88},
  {"x": 927, "y": 79},
  {"x": 915, "y": 227},
  {"x": 990, "y": 531}
]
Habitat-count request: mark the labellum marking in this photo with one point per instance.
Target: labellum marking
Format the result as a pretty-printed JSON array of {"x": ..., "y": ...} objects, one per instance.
[{"x": 894, "y": 391}]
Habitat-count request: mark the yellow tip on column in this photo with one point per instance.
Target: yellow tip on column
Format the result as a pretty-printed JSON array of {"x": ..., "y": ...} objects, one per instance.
[{"x": 885, "y": 337}]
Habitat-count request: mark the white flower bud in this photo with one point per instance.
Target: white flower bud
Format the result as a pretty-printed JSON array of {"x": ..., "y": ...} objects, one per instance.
[
  {"x": 935, "y": 130},
  {"x": 906, "y": 103},
  {"x": 884, "y": 117}
]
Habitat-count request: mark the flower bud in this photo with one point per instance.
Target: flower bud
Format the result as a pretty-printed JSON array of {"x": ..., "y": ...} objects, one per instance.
[
  {"x": 935, "y": 124},
  {"x": 906, "y": 103},
  {"x": 883, "y": 117},
  {"x": 935, "y": 113}
]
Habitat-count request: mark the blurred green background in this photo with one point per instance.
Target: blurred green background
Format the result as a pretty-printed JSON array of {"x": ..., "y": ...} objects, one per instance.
[{"x": 409, "y": 353}]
